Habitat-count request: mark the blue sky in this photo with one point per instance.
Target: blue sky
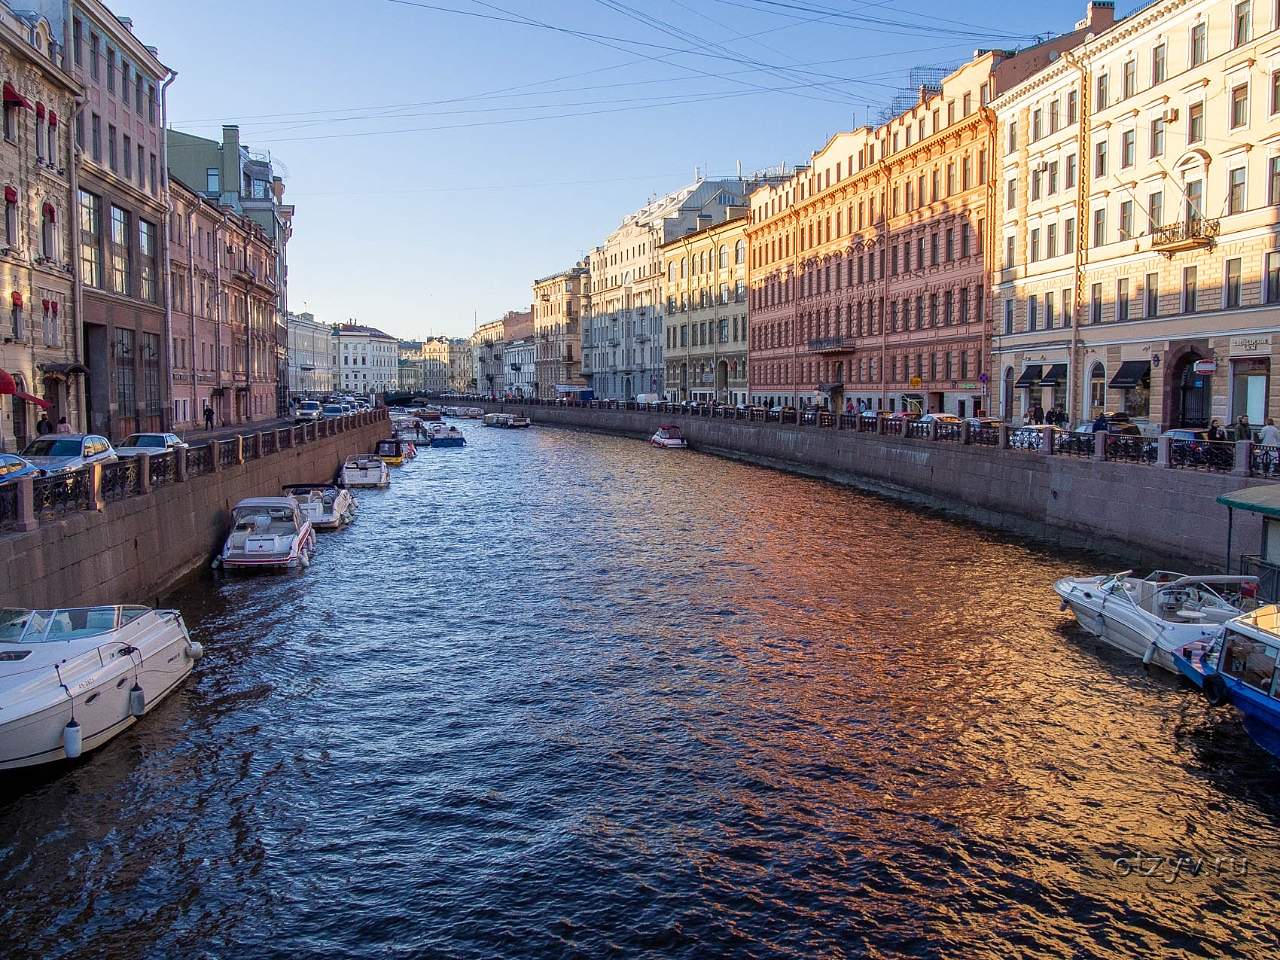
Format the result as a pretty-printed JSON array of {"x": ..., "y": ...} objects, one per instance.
[{"x": 440, "y": 161}]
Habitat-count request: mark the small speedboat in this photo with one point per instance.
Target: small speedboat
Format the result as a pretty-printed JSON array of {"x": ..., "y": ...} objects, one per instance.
[
  {"x": 268, "y": 533},
  {"x": 449, "y": 437},
  {"x": 394, "y": 451},
  {"x": 1239, "y": 667},
  {"x": 72, "y": 679},
  {"x": 669, "y": 437},
  {"x": 326, "y": 505},
  {"x": 1157, "y": 615},
  {"x": 365, "y": 470}
]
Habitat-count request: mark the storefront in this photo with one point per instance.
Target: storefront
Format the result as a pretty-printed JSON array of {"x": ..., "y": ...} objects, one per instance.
[
  {"x": 1250, "y": 372},
  {"x": 1133, "y": 381}
]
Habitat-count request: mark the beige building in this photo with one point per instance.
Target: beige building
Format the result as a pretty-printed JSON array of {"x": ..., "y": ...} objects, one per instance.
[
  {"x": 40, "y": 353},
  {"x": 461, "y": 365},
  {"x": 424, "y": 365},
  {"x": 704, "y": 288},
  {"x": 1139, "y": 264},
  {"x": 558, "y": 305},
  {"x": 487, "y": 359}
]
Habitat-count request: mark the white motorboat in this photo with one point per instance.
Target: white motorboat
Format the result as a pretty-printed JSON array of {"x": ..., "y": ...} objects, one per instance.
[
  {"x": 365, "y": 470},
  {"x": 1158, "y": 615},
  {"x": 72, "y": 679},
  {"x": 669, "y": 437},
  {"x": 497, "y": 419},
  {"x": 270, "y": 533},
  {"x": 326, "y": 505}
]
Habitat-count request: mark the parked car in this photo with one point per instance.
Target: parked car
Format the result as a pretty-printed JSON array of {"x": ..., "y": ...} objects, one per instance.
[
  {"x": 939, "y": 418},
  {"x": 333, "y": 410},
  {"x": 63, "y": 452},
  {"x": 137, "y": 443},
  {"x": 976, "y": 423},
  {"x": 1123, "y": 428},
  {"x": 309, "y": 410},
  {"x": 1194, "y": 449},
  {"x": 13, "y": 467}
]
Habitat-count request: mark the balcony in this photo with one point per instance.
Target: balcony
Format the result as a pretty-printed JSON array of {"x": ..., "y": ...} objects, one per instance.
[
  {"x": 614, "y": 341},
  {"x": 1188, "y": 234},
  {"x": 642, "y": 338},
  {"x": 831, "y": 345}
]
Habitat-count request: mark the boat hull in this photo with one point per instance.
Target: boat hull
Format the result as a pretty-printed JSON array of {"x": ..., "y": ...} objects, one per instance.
[{"x": 448, "y": 442}]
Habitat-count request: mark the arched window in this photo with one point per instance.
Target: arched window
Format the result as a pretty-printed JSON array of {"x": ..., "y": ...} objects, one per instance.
[
  {"x": 1097, "y": 387},
  {"x": 684, "y": 267},
  {"x": 11, "y": 217},
  {"x": 724, "y": 257},
  {"x": 740, "y": 252},
  {"x": 1006, "y": 394},
  {"x": 49, "y": 232},
  {"x": 671, "y": 270}
]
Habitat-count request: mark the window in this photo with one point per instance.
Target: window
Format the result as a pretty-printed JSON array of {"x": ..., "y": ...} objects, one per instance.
[
  {"x": 49, "y": 232},
  {"x": 142, "y": 170},
  {"x": 1073, "y": 100},
  {"x": 1195, "y": 123},
  {"x": 1152, "y": 289},
  {"x": 1128, "y": 140},
  {"x": 1155, "y": 211},
  {"x": 1053, "y": 178},
  {"x": 124, "y": 82},
  {"x": 1235, "y": 191},
  {"x": 1095, "y": 303},
  {"x": 128, "y": 157},
  {"x": 212, "y": 185},
  {"x": 112, "y": 159},
  {"x": 111, "y": 70},
  {"x": 1241, "y": 23},
  {"x": 1036, "y": 123},
  {"x": 1011, "y": 194},
  {"x": 1069, "y": 172},
  {"x": 1012, "y": 136},
  {"x": 1009, "y": 251},
  {"x": 1068, "y": 235},
  {"x": 91, "y": 239},
  {"x": 1273, "y": 277},
  {"x": 119, "y": 250},
  {"x": 1159, "y": 66},
  {"x": 1197, "y": 44},
  {"x": 97, "y": 137},
  {"x": 152, "y": 172},
  {"x": 1130, "y": 78},
  {"x": 1239, "y": 105},
  {"x": 11, "y": 121},
  {"x": 123, "y": 372},
  {"x": 10, "y": 217},
  {"x": 1157, "y": 137},
  {"x": 1122, "y": 299},
  {"x": 1054, "y": 118},
  {"x": 1035, "y": 245},
  {"x": 1097, "y": 386},
  {"x": 1233, "y": 282},
  {"x": 1099, "y": 226},
  {"x": 1051, "y": 240},
  {"x": 93, "y": 55},
  {"x": 1032, "y": 312},
  {"x": 147, "y": 254},
  {"x": 1048, "y": 310},
  {"x": 151, "y": 102},
  {"x": 77, "y": 42},
  {"x": 1126, "y": 219},
  {"x": 1035, "y": 184},
  {"x": 1100, "y": 159},
  {"x": 1273, "y": 180},
  {"x": 137, "y": 92},
  {"x": 1008, "y": 317},
  {"x": 1100, "y": 93},
  {"x": 1189, "y": 293}
]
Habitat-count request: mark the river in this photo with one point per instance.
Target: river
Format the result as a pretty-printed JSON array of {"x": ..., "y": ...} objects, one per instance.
[{"x": 558, "y": 694}]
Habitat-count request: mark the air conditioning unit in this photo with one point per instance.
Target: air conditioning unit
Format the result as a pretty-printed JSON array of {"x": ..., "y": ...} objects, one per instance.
[{"x": 1170, "y": 115}]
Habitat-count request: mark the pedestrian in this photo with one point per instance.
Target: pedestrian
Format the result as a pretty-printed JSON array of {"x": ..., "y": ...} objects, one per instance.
[
  {"x": 1100, "y": 424},
  {"x": 1215, "y": 430},
  {"x": 43, "y": 425},
  {"x": 1037, "y": 414},
  {"x": 1270, "y": 436},
  {"x": 63, "y": 426},
  {"x": 208, "y": 417},
  {"x": 1242, "y": 431}
]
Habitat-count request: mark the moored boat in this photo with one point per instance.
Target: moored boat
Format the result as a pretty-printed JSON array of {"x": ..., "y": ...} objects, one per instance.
[
  {"x": 1157, "y": 615},
  {"x": 394, "y": 451},
  {"x": 497, "y": 420},
  {"x": 669, "y": 437},
  {"x": 450, "y": 437},
  {"x": 327, "y": 505},
  {"x": 72, "y": 679},
  {"x": 268, "y": 533},
  {"x": 365, "y": 470},
  {"x": 1240, "y": 668},
  {"x": 520, "y": 423}
]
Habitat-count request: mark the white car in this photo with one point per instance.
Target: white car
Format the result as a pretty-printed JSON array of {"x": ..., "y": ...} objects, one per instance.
[
  {"x": 153, "y": 443},
  {"x": 308, "y": 410},
  {"x": 63, "y": 452}
]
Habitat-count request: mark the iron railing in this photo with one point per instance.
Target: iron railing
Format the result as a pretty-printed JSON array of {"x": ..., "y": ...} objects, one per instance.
[
  {"x": 1126, "y": 449},
  {"x": 1264, "y": 461},
  {"x": 1074, "y": 445},
  {"x": 916, "y": 430},
  {"x": 1026, "y": 438},
  {"x": 199, "y": 460},
  {"x": 164, "y": 469},
  {"x": 62, "y": 494},
  {"x": 1211, "y": 455},
  {"x": 8, "y": 506},
  {"x": 227, "y": 453},
  {"x": 121, "y": 480},
  {"x": 893, "y": 427},
  {"x": 948, "y": 431},
  {"x": 985, "y": 436}
]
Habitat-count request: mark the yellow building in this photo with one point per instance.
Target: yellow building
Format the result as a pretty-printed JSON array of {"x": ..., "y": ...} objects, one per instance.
[
  {"x": 704, "y": 287},
  {"x": 558, "y": 305}
]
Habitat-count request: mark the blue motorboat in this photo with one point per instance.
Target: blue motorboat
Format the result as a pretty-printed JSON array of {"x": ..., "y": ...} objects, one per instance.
[
  {"x": 1239, "y": 667},
  {"x": 452, "y": 437}
]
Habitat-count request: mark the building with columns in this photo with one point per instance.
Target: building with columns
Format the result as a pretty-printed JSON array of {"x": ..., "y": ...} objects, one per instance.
[
  {"x": 704, "y": 290},
  {"x": 1139, "y": 178},
  {"x": 42, "y": 367},
  {"x": 558, "y": 305},
  {"x": 869, "y": 269}
]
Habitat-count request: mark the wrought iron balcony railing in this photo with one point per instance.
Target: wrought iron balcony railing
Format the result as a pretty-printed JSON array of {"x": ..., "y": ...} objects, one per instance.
[
  {"x": 1186, "y": 234},
  {"x": 831, "y": 345}
]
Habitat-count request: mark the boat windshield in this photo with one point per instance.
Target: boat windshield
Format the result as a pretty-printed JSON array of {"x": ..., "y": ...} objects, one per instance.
[{"x": 38, "y": 626}]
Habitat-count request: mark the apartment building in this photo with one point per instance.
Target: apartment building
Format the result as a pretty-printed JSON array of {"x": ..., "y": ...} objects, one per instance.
[
  {"x": 311, "y": 371},
  {"x": 558, "y": 305},
  {"x": 42, "y": 368},
  {"x": 704, "y": 290},
  {"x": 869, "y": 270},
  {"x": 622, "y": 349},
  {"x": 366, "y": 361},
  {"x": 488, "y": 374},
  {"x": 424, "y": 365},
  {"x": 121, "y": 209},
  {"x": 1140, "y": 266}
]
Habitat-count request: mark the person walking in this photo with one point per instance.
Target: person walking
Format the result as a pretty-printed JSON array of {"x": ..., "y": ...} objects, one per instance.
[
  {"x": 63, "y": 426},
  {"x": 1270, "y": 436},
  {"x": 1037, "y": 414},
  {"x": 1100, "y": 425},
  {"x": 208, "y": 417},
  {"x": 43, "y": 425},
  {"x": 1241, "y": 429},
  {"x": 1215, "y": 430}
]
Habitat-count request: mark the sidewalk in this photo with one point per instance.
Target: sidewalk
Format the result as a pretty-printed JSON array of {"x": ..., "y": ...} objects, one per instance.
[{"x": 197, "y": 437}]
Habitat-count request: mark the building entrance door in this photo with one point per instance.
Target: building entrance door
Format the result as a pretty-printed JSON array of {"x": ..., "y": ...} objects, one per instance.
[{"x": 1195, "y": 394}]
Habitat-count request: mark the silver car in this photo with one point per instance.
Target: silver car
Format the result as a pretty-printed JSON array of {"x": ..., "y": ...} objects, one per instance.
[
  {"x": 138, "y": 443},
  {"x": 63, "y": 452},
  {"x": 308, "y": 410}
]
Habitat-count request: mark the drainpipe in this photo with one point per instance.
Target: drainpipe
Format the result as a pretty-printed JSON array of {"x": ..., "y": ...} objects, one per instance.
[
  {"x": 191, "y": 310},
  {"x": 217, "y": 309},
  {"x": 1084, "y": 170},
  {"x": 77, "y": 284},
  {"x": 167, "y": 349}
]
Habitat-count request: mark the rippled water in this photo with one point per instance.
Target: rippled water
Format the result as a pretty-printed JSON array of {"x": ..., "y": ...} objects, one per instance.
[{"x": 564, "y": 695}]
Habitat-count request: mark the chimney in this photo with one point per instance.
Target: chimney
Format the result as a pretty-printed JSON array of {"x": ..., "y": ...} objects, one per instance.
[
  {"x": 126, "y": 22},
  {"x": 1098, "y": 16},
  {"x": 231, "y": 159}
]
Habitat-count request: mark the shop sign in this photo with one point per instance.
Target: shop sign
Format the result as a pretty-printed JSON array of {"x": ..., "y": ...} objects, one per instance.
[
  {"x": 916, "y": 381},
  {"x": 1250, "y": 346},
  {"x": 1205, "y": 366},
  {"x": 967, "y": 386}
]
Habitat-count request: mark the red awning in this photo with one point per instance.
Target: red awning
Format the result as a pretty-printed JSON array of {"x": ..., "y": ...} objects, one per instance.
[
  {"x": 32, "y": 398},
  {"x": 13, "y": 96},
  {"x": 39, "y": 109},
  {"x": 53, "y": 119},
  {"x": 17, "y": 299},
  {"x": 7, "y": 386},
  {"x": 10, "y": 194},
  {"x": 49, "y": 212}
]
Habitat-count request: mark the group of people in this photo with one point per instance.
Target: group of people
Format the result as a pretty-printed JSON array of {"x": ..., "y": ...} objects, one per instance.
[
  {"x": 1268, "y": 436},
  {"x": 1054, "y": 416},
  {"x": 43, "y": 425}
]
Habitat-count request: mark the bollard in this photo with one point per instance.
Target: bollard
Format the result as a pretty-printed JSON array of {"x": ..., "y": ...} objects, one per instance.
[
  {"x": 1099, "y": 444},
  {"x": 965, "y": 439},
  {"x": 1050, "y": 442},
  {"x": 144, "y": 473},
  {"x": 1002, "y": 436},
  {"x": 27, "y": 519},
  {"x": 95, "y": 484},
  {"x": 180, "y": 464},
  {"x": 1164, "y": 446},
  {"x": 932, "y": 430},
  {"x": 239, "y": 442},
  {"x": 880, "y": 425},
  {"x": 1244, "y": 454}
]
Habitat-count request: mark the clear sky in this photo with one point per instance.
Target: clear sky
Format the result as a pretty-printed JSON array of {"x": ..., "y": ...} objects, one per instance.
[{"x": 442, "y": 154}]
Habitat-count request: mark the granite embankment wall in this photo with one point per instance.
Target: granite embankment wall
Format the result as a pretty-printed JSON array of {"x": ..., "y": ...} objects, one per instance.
[
  {"x": 136, "y": 549},
  {"x": 1142, "y": 514}
]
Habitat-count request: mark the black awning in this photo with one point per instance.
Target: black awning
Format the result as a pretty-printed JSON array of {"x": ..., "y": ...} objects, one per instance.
[
  {"x": 1130, "y": 374},
  {"x": 1030, "y": 376},
  {"x": 1056, "y": 373}
]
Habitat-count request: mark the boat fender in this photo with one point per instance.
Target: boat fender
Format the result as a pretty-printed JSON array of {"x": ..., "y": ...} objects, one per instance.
[
  {"x": 1215, "y": 690},
  {"x": 72, "y": 739},
  {"x": 137, "y": 700},
  {"x": 1150, "y": 654},
  {"x": 195, "y": 649},
  {"x": 304, "y": 558}
]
